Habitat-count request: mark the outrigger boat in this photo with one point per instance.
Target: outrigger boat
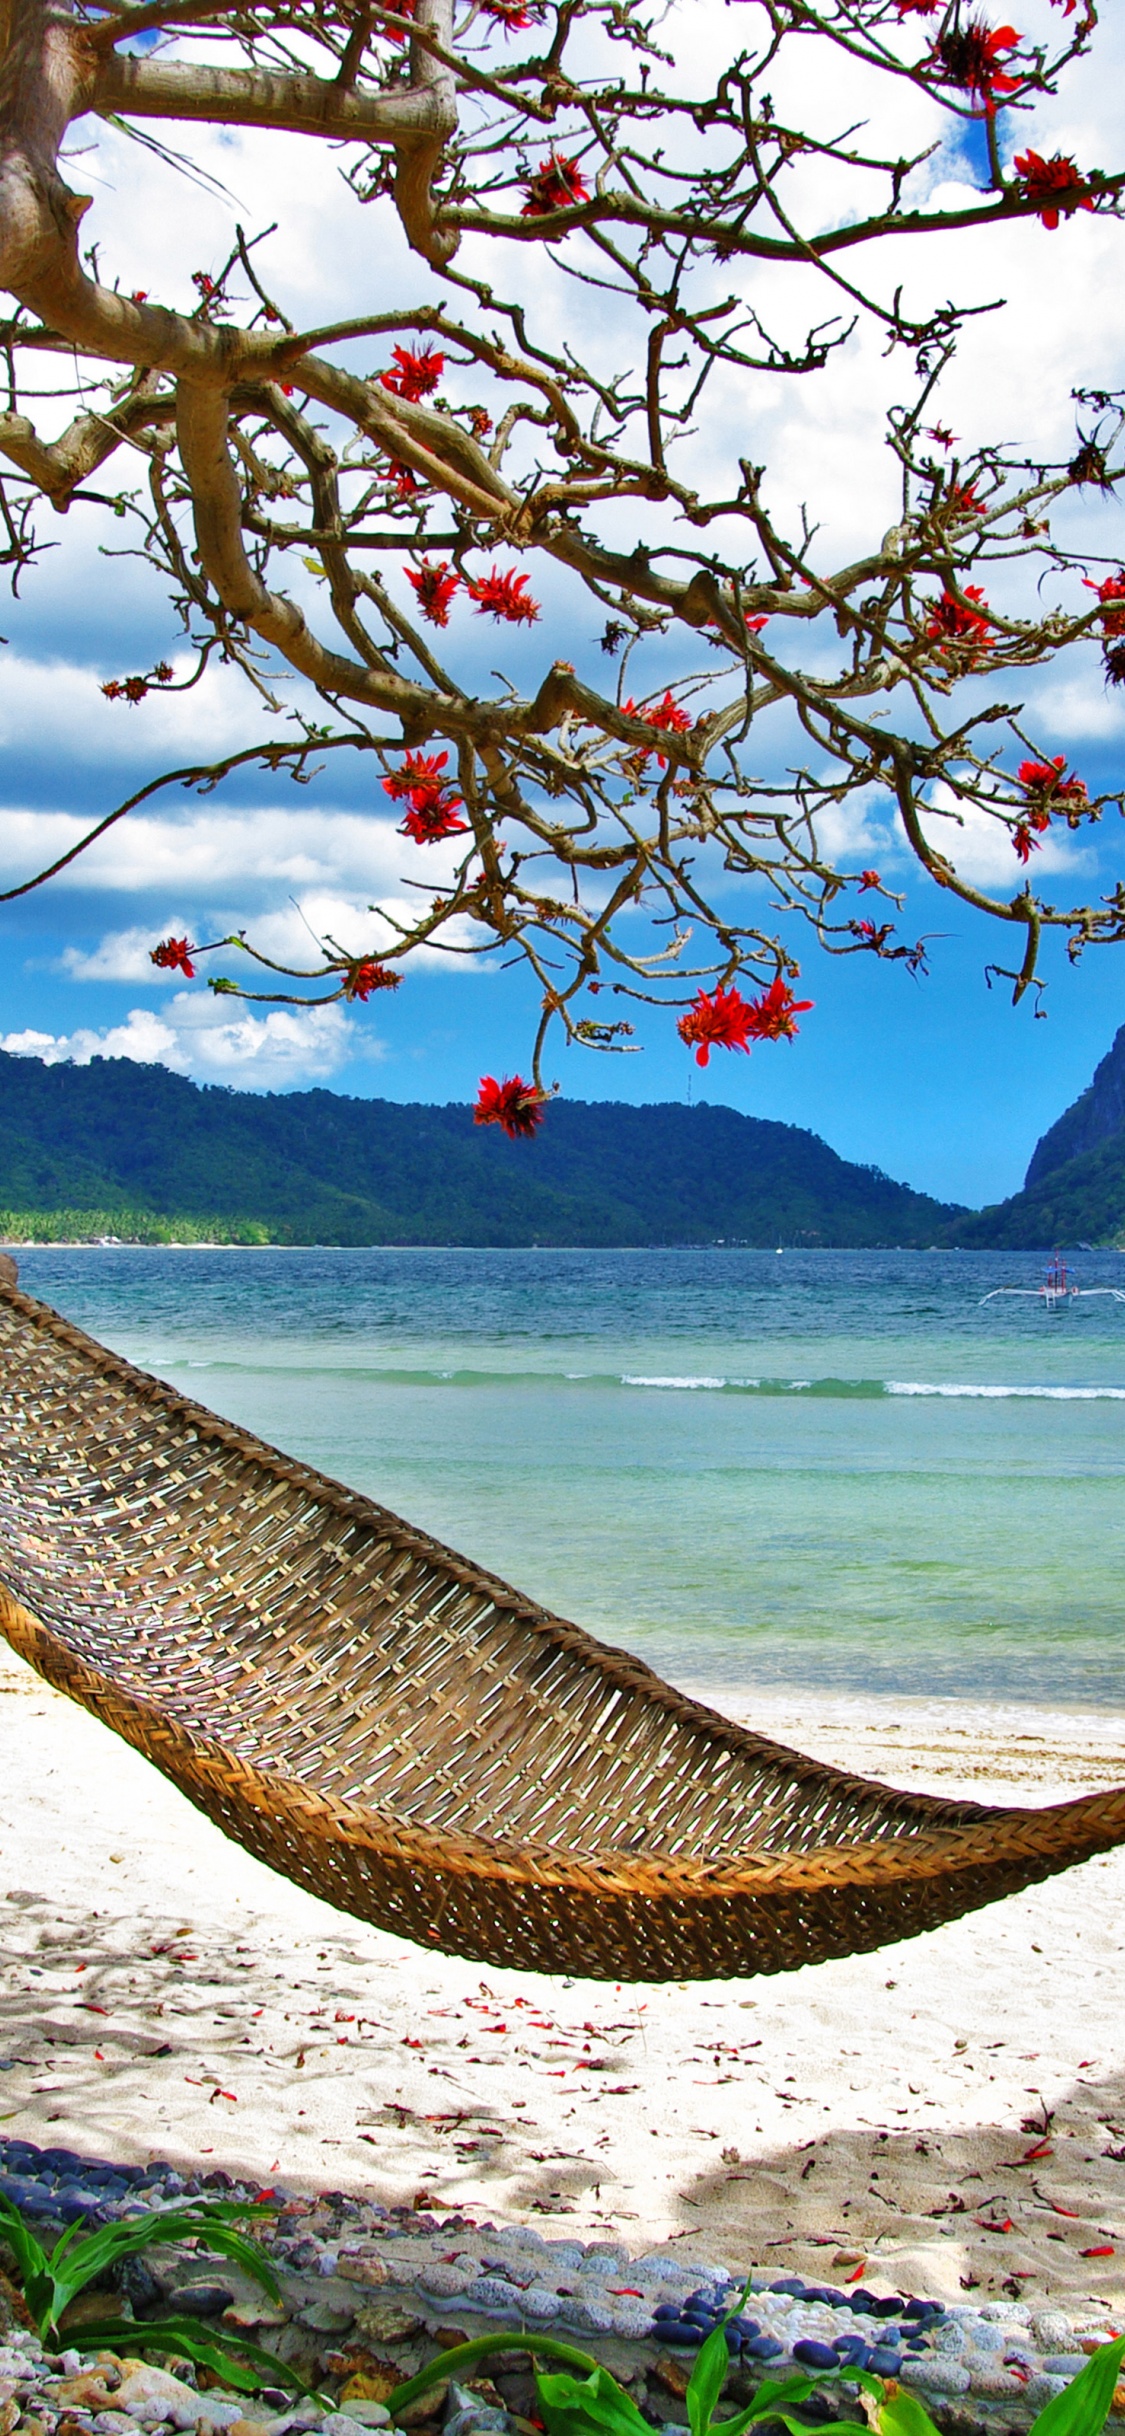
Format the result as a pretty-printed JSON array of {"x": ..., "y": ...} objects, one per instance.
[{"x": 1057, "y": 1287}]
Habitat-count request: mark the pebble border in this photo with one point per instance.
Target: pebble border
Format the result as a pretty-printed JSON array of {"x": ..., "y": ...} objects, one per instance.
[{"x": 992, "y": 2366}]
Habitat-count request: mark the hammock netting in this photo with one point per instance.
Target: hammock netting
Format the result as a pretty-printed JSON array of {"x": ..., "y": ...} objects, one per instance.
[{"x": 398, "y": 1731}]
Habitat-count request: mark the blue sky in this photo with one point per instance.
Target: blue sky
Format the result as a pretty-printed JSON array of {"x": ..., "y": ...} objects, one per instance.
[{"x": 937, "y": 1080}]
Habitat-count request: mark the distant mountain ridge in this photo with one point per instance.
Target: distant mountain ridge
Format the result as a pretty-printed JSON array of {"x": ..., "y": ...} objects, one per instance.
[
  {"x": 125, "y": 1140},
  {"x": 1091, "y": 1121},
  {"x": 1074, "y": 1190}
]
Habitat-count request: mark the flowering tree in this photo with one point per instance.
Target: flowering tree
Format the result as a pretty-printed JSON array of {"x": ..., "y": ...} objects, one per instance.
[{"x": 363, "y": 527}]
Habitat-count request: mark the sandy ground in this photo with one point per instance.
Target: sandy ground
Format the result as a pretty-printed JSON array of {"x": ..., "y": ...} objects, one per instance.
[{"x": 950, "y": 2111}]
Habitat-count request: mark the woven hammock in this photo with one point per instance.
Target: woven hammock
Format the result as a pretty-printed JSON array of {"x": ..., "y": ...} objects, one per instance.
[{"x": 399, "y": 1732}]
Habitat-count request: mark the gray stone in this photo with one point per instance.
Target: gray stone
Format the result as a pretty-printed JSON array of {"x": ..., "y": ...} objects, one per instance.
[
  {"x": 1052, "y": 2331},
  {"x": 934, "y": 2376}
]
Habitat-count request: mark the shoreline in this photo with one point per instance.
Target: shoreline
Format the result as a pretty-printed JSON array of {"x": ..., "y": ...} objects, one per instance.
[{"x": 165, "y": 1995}]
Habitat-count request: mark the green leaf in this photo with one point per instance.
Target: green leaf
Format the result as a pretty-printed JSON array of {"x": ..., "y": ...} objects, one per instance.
[
  {"x": 708, "y": 2377},
  {"x": 1084, "y": 2408},
  {"x": 50, "y": 2284},
  {"x": 589, "y": 2406},
  {"x": 464, "y": 2355},
  {"x": 244, "y": 2365},
  {"x": 902, "y": 2414}
]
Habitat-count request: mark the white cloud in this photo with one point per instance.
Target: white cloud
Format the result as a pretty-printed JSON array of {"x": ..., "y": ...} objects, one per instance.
[
  {"x": 981, "y": 848},
  {"x": 210, "y": 855},
  {"x": 56, "y": 703},
  {"x": 282, "y": 1051}
]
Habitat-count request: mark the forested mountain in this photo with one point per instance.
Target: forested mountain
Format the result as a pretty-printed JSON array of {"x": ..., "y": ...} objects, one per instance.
[
  {"x": 1092, "y": 1120},
  {"x": 1074, "y": 1189},
  {"x": 125, "y": 1144}
]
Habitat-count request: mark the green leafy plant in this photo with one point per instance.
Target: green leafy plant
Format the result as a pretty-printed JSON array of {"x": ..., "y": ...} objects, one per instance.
[
  {"x": 594, "y": 2404},
  {"x": 51, "y": 2280}
]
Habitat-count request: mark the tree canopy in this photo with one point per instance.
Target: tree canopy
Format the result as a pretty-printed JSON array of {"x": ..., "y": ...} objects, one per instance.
[{"x": 353, "y": 505}]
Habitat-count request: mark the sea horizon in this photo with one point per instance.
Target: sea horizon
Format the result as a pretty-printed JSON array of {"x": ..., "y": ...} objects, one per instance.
[{"x": 840, "y": 1473}]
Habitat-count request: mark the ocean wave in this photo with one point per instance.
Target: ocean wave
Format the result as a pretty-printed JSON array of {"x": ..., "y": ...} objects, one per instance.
[{"x": 831, "y": 1389}]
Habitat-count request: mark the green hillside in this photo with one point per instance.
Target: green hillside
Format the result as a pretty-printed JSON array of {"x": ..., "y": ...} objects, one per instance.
[
  {"x": 1082, "y": 1201},
  {"x": 131, "y": 1145}
]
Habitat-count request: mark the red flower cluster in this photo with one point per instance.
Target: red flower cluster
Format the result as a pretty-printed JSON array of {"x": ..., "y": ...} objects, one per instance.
[
  {"x": 515, "y": 17},
  {"x": 434, "y": 804},
  {"x": 724, "y": 1019},
  {"x": 952, "y": 623},
  {"x": 667, "y": 714},
  {"x": 401, "y": 8},
  {"x": 771, "y": 1015},
  {"x": 174, "y": 956},
  {"x": 917, "y": 8},
  {"x": 869, "y": 879},
  {"x": 367, "y": 976},
  {"x": 1110, "y": 592},
  {"x": 962, "y": 499},
  {"x": 941, "y": 433},
  {"x": 134, "y": 689},
  {"x": 435, "y": 585},
  {"x": 405, "y": 482},
  {"x": 414, "y": 373},
  {"x": 1045, "y": 781},
  {"x": 1057, "y": 184},
  {"x": 503, "y": 596},
  {"x": 974, "y": 59},
  {"x": 719, "y": 1019},
  {"x": 556, "y": 185},
  {"x": 514, "y": 1104}
]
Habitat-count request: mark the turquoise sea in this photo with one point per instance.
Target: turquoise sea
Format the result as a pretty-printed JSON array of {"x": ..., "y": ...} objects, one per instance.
[{"x": 795, "y": 1470}]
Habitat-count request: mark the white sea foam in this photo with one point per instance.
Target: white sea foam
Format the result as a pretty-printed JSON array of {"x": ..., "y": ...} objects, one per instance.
[
  {"x": 639, "y": 1381},
  {"x": 1053, "y": 1395}
]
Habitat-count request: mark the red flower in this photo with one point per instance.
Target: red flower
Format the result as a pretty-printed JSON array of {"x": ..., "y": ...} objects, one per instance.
[
  {"x": 405, "y": 482},
  {"x": 429, "y": 821},
  {"x": 418, "y": 773},
  {"x": 1025, "y": 844},
  {"x": 869, "y": 879},
  {"x": 771, "y": 1015},
  {"x": 939, "y": 432},
  {"x": 951, "y": 622},
  {"x": 1057, "y": 184},
  {"x": 434, "y": 804},
  {"x": 435, "y": 586},
  {"x": 1044, "y": 781},
  {"x": 1113, "y": 589},
  {"x": 666, "y": 714},
  {"x": 973, "y": 59},
  {"x": 917, "y": 8},
  {"x": 963, "y": 500},
  {"x": 515, "y": 17},
  {"x": 174, "y": 956},
  {"x": 873, "y": 935},
  {"x": 514, "y": 1104},
  {"x": 503, "y": 596},
  {"x": 140, "y": 296},
  {"x": 556, "y": 185},
  {"x": 366, "y": 976},
  {"x": 754, "y": 625},
  {"x": 413, "y": 375},
  {"x": 721, "y": 1019},
  {"x": 399, "y": 8}
]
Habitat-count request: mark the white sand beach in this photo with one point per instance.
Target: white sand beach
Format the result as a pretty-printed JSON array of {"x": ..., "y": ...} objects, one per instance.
[{"x": 946, "y": 2116}]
